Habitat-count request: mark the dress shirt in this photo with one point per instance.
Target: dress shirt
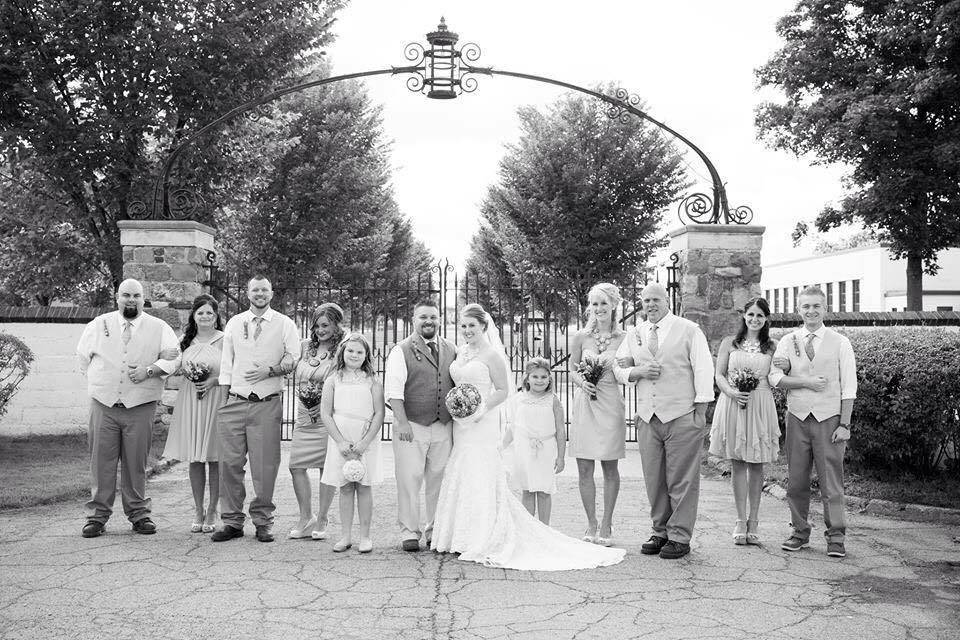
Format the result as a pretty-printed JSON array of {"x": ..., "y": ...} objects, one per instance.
[
  {"x": 848, "y": 363},
  {"x": 700, "y": 359},
  {"x": 395, "y": 372},
  {"x": 278, "y": 338}
]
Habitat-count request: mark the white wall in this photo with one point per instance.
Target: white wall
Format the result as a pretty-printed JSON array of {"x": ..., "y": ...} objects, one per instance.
[{"x": 53, "y": 396}]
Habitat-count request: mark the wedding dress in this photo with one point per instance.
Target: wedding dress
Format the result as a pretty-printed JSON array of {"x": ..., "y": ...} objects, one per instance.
[{"x": 478, "y": 516}]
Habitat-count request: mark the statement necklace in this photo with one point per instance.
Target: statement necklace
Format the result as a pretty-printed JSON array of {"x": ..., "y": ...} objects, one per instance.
[
  {"x": 601, "y": 342},
  {"x": 751, "y": 346}
]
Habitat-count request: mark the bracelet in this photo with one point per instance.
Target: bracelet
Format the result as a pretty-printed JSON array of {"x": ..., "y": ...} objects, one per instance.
[{"x": 272, "y": 374}]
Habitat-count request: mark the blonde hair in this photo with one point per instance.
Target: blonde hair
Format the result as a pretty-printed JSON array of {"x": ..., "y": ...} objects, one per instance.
[
  {"x": 532, "y": 365},
  {"x": 477, "y": 312},
  {"x": 612, "y": 293}
]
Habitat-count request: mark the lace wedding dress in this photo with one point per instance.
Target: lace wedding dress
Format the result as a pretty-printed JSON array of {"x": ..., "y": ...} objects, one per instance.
[{"x": 477, "y": 515}]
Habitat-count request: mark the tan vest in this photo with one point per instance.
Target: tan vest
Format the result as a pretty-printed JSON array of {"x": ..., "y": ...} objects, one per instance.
[
  {"x": 826, "y": 363},
  {"x": 107, "y": 380},
  {"x": 672, "y": 394},
  {"x": 428, "y": 381}
]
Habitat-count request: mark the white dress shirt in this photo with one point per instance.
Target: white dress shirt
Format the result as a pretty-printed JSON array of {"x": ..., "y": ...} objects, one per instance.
[
  {"x": 848, "y": 363},
  {"x": 242, "y": 352}
]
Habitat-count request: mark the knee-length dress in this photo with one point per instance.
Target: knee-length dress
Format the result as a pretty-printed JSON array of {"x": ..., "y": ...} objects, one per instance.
[
  {"x": 534, "y": 441},
  {"x": 353, "y": 411},
  {"x": 598, "y": 429},
  {"x": 193, "y": 427},
  {"x": 750, "y": 434},
  {"x": 308, "y": 450}
]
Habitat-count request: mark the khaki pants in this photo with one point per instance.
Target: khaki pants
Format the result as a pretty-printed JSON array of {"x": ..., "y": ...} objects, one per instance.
[
  {"x": 670, "y": 455},
  {"x": 249, "y": 429},
  {"x": 119, "y": 434},
  {"x": 808, "y": 443},
  {"x": 420, "y": 463}
]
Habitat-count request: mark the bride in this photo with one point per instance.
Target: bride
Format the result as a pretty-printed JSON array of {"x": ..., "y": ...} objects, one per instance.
[{"x": 477, "y": 515}]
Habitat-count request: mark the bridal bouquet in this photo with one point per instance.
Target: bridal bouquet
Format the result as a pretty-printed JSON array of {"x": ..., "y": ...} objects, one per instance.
[
  {"x": 309, "y": 393},
  {"x": 463, "y": 401},
  {"x": 591, "y": 369},
  {"x": 744, "y": 380},
  {"x": 196, "y": 372}
]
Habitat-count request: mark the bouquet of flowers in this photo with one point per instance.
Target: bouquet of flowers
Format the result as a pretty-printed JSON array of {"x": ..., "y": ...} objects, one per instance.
[
  {"x": 744, "y": 380},
  {"x": 196, "y": 372},
  {"x": 463, "y": 401},
  {"x": 591, "y": 369},
  {"x": 354, "y": 470},
  {"x": 309, "y": 393}
]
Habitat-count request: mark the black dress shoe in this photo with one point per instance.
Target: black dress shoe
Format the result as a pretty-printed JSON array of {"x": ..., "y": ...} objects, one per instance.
[
  {"x": 92, "y": 529},
  {"x": 264, "y": 534},
  {"x": 227, "y": 533},
  {"x": 673, "y": 550},
  {"x": 145, "y": 526},
  {"x": 411, "y": 545},
  {"x": 652, "y": 546}
]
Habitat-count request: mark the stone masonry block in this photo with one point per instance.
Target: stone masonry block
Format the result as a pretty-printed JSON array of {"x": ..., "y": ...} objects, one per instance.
[
  {"x": 168, "y": 315},
  {"x": 196, "y": 255},
  {"x": 718, "y": 258},
  {"x": 143, "y": 254},
  {"x": 728, "y": 272},
  {"x": 740, "y": 297},
  {"x": 156, "y": 272},
  {"x": 184, "y": 272},
  {"x": 133, "y": 270},
  {"x": 175, "y": 255},
  {"x": 168, "y": 291},
  {"x": 751, "y": 273},
  {"x": 697, "y": 262},
  {"x": 128, "y": 254}
]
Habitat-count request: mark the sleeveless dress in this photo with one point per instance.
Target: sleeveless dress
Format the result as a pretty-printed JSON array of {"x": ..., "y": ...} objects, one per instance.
[
  {"x": 352, "y": 411},
  {"x": 751, "y": 434},
  {"x": 308, "y": 450},
  {"x": 598, "y": 429},
  {"x": 193, "y": 427},
  {"x": 534, "y": 442},
  {"x": 477, "y": 515}
]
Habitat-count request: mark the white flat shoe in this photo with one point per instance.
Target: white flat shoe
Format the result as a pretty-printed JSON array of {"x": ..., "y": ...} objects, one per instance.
[
  {"x": 305, "y": 531},
  {"x": 319, "y": 533},
  {"x": 365, "y": 546}
]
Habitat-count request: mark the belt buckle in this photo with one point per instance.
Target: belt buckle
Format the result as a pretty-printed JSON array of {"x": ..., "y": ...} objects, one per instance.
[{"x": 253, "y": 397}]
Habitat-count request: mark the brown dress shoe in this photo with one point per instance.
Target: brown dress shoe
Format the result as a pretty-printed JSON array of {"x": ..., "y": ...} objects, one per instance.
[{"x": 92, "y": 529}]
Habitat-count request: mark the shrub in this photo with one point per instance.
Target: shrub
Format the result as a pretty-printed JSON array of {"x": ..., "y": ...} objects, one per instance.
[{"x": 15, "y": 359}]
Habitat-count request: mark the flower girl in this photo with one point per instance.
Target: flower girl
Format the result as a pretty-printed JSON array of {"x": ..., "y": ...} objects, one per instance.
[
  {"x": 352, "y": 409},
  {"x": 535, "y": 425}
]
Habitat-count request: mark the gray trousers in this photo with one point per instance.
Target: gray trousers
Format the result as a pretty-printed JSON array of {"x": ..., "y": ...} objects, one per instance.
[
  {"x": 118, "y": 434},
  {"x": 807, "y": 444},
  {"x": 670, "y": 455},
  {"x": 249, "y": 429},
  {"x": 420, "y": 464}
]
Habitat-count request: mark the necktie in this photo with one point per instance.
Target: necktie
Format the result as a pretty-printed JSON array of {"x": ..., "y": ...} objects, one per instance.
[
  {"x": 259, "y": 329},
  {"x": 434, "y": 351},
  {"x": 654, "y": 343},
  {"x": 809, "y": 346},
  {"x": 125, "y": 336}
]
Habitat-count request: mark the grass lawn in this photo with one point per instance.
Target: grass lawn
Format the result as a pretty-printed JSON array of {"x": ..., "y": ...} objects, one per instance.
[{"x": 40, "y": 469}]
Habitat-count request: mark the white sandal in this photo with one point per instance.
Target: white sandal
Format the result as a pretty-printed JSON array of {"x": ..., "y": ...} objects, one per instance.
[{"x": 304, "y": 532}]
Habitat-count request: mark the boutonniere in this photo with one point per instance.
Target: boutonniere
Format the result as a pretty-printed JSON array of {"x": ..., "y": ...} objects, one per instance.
[
  {"x": 106, "y": 329},
  {"x": 246, "y": 330},
  {"x": 636, "y": 334},
  {"x": 796, "y": 345}
]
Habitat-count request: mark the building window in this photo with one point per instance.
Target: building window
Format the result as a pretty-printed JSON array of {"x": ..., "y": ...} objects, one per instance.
[
  {"x": 829, "y": 296},
  {"x": 842, "y": 290},
  {"x": 766, "y": 296},
  {"x": 776, "y": 300},
  {"x": 796, "y": 299},
  {"x": 856, "y": 295},
  {"x": 944, "y": 308}
]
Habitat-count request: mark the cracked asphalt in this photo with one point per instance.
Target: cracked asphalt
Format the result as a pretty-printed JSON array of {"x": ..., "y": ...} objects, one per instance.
[{"x": 899, "y": 580}]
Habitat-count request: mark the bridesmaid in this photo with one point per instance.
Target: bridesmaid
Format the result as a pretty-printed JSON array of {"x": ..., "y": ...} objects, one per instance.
[
  {"x": 745, "y": 428},
  {"x": 309, "y": 447},
  {"x": 193, "y": 429},
  {"x": 597, "y": 427}
]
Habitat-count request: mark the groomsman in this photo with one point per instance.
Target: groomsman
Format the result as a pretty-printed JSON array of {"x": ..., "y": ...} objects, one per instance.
[
  {"x": 416, "y": 382},
  {"x": 124, "y": 354},
  {"x": 816, "y": 366},
  {"x": 668, "y": 359},
  {"x": 259, "y": 346}
]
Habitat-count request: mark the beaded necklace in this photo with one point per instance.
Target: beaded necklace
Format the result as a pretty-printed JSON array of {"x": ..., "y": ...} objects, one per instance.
[
  {"x": 601, "y": 342},
  {"x": 752, "y": 346}
]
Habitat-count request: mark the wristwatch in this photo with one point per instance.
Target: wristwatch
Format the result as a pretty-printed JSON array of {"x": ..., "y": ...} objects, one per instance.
[{"x": 150, "y": 371}]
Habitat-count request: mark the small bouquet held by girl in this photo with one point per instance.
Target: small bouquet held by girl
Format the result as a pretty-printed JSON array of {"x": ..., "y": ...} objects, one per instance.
[
  {"x": 744, "y": 380},
  {"x": 463, "y": 401},
  {"x": 310, "y": 393},
  {"x": 197, "y": 372},
  {"x": 591, "y": 369}
]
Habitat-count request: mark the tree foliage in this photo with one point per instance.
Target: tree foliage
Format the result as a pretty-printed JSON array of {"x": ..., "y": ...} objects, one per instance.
[
  {"x": 875, "y": 85},
  {"x": 15, "y": 360}
]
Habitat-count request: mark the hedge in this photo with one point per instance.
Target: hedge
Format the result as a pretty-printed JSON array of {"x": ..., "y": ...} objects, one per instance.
[{"x": 15, "y": 359}]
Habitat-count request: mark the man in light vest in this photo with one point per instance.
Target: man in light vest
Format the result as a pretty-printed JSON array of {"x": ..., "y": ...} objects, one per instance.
[
  {"x": 125, "y": 355},
  {"x": 817, "y": 368},
  {"x": 668, "y": 359}
]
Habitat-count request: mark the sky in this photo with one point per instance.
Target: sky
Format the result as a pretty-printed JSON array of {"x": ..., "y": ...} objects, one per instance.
[{"x": 691, "y": 61}]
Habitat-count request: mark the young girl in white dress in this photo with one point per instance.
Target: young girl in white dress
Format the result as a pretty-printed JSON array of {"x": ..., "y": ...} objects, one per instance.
[
  {"x": 352, "y": 409},
  {"x": 535, "y": 426}
]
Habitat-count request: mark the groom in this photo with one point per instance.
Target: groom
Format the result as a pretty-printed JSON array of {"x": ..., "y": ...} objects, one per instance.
[
  {"x": 416, "y": 382},
  {"x": 821, "y": 386}
]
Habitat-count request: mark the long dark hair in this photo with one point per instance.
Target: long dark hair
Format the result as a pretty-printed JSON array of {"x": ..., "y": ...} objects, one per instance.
[
  {"x": 766, "y": 344},
  {"x": 191, "y": 331},
  {"x": 332, "y": 312}
]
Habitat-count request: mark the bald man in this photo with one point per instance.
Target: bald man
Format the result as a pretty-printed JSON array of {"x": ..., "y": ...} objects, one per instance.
[
  {"x": 124, "y": 354},
  {"x": 669, "y": 361}
]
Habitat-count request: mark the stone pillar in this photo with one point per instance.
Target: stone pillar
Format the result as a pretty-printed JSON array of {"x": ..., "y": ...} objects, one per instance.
[
  {"x": 168, "y": 258},
  {"x": 719, "y": 271}
]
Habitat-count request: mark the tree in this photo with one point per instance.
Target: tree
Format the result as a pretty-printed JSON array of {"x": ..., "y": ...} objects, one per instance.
[
  {"x": 876, "y": 85},
  {"x": 99, "y": 92}
]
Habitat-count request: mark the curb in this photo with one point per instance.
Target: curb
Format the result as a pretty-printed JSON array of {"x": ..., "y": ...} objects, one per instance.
[{"x": 870, "y": 506}]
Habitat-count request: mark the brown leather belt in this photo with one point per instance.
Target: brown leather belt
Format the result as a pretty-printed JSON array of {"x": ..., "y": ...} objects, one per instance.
[{"x": 254, "y": 397}]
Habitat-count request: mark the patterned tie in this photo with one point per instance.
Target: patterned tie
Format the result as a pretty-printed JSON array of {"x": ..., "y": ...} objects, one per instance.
[
  {"x": 809, "y": 346},
  {"x": 259, "y": 329},
  {"x": 125, "y": 336},
  {"x": 434, "y": 351},
  {"x": 654, "y": 343}
]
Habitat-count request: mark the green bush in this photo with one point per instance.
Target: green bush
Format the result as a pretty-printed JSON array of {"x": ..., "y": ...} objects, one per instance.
[{"x": 15, "y": 359}]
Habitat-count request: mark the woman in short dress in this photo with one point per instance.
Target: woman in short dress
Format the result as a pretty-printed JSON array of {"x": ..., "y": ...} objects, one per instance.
[{"x": 309, "y": 447}]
